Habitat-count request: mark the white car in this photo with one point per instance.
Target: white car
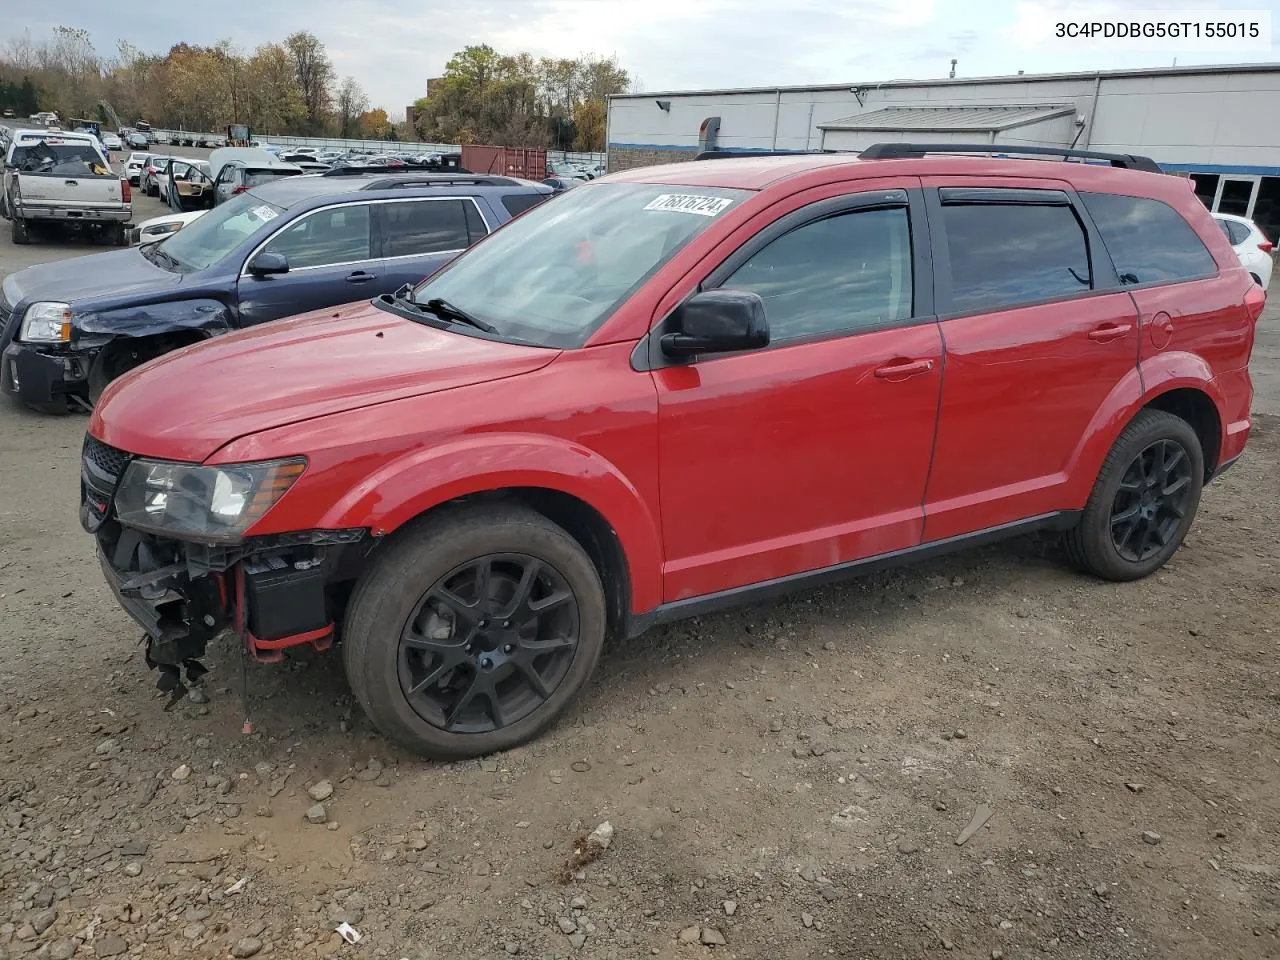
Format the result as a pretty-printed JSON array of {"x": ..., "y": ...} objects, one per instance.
[
  {"x": 1250, "y": 244},
  {"x": 157, "y": 228},
  {"x": 134, "y": 165},
  {"x": 112, "y": 142}
]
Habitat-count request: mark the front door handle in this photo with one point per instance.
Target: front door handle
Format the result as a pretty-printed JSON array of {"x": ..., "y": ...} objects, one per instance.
[
  {"x": 1109, "y": 332},
  {"x": 360, "y": 276},
  {"x": 902, "y": 369}
]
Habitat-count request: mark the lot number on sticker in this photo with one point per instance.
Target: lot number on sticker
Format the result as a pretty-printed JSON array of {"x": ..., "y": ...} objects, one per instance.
[
  {"x": 688, "y": 203},
  {"x": 264, "y": 213}
]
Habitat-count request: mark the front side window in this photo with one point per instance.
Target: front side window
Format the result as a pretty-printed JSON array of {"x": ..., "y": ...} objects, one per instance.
[
  {"x": 554, "y": 275},
  {"x": 1148, "y": 240},
  {"x": 842, "y": 274},
  {"x": 325, "y": 238},
  {"x": 1003, "y": 255},
  {"x": 414, "y": 227},
  {"x": 209, "y": 238}
]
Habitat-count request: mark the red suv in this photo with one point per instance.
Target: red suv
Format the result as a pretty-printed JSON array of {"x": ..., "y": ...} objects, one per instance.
[{"x": 671, "y": 390}]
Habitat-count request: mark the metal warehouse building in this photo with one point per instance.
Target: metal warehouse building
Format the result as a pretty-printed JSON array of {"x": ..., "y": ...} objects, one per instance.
[{"x": 1219, "y": 125}]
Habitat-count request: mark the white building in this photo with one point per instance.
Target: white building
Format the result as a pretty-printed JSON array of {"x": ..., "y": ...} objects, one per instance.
[{"x": 1218, "y": 124}]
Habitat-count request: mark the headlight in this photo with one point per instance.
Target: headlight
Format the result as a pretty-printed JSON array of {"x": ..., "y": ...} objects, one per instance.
[
  {"x": 202, "y": 503},
  {"x": 46, "y": 322}
]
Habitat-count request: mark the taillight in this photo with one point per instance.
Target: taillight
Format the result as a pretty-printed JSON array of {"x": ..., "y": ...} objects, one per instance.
[
  {"x": 1266, "y": 246},
  {"x": 126, "y": 192},
  {"x": 240, "y": 189},
  {"x": 1254, "y": 300}
]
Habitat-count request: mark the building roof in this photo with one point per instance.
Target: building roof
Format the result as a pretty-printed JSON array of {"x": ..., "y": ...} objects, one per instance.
[
  {"x": 1272, "y": 67},
  {"x": 952, "y": 119}
]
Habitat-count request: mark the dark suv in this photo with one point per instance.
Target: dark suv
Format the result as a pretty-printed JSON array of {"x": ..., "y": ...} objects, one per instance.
[
  {"x": 291, "y": 245},
  {"x": 671, "y": 390}
]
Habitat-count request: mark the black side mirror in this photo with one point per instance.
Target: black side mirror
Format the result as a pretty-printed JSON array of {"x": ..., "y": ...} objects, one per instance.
[
  {"x": 265, "y": 263},
  {"x": 716, "y": 321}
]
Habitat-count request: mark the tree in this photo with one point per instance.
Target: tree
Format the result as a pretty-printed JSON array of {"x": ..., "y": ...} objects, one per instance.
[
  {"x": 314, "y": 73},
  {"x": 589, "y": 119},
  {"x": 376, "y": 124},
  {"x": 350, "y": 103},
  {"x": 274, "y": 100}
]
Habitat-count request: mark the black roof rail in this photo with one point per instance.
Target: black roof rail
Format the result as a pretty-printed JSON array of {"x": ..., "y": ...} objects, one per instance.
[
  {"x": 352, "y": 170},
  {"x": 899, "y": 151},
  {"x": 439, "y": 180},
  {"x": 731, "y": 154}
]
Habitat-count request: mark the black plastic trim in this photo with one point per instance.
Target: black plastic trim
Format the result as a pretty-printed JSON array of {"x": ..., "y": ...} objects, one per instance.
[
  {"x": 768, "y": 589},
  {"x": 1016, "y": 195}
]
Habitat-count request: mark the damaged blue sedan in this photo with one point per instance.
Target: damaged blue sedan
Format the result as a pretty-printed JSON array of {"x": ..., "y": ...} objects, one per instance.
[{"x": 67, "y": 329}]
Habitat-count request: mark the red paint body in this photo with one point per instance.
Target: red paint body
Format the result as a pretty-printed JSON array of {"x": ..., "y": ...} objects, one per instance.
[{"x": 739, "y": 470}]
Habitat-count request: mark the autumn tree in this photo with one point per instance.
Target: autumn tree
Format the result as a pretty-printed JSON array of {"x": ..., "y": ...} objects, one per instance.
[
  {"x": 314, "y": 73},
  {"x": 349, "y": 103},
  {"x": 274, "y": 99},
  {"x": 376, "y": 124}
]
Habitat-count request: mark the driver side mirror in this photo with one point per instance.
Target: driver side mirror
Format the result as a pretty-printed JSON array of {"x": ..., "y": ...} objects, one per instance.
[
  {"x": 717, "y": 321},
  {"x": 267, "y": 263}
]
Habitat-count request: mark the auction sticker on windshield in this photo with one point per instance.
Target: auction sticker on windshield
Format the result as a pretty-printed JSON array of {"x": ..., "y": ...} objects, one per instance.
[
  {"x": 264, "y": 213},
  {"x": 688, "y": 203}
]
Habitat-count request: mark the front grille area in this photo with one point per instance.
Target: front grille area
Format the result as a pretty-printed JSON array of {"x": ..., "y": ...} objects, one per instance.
[{"x": 107, "y": 459}]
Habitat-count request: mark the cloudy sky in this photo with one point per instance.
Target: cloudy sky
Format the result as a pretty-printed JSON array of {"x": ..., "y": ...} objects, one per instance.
[{"x": 392, "y": 46}]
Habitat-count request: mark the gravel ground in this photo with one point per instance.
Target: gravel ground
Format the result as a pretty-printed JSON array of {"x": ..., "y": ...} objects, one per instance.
[{"x": 786, "y": 781}]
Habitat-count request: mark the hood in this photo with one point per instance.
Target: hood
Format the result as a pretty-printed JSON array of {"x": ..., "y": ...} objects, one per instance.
[
  {"x": 119, "y": 273},
  {"x": 188, "y": 404}
]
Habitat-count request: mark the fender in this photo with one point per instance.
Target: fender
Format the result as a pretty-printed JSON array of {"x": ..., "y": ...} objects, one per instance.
[
  {"x": 205, "y": 316},
  {"x": 411, "y": 485},
  {"x": 1161, "y": 374}
]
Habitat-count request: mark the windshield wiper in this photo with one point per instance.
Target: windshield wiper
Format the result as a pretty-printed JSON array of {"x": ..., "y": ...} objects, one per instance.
[
  {"x": 153, "y": 253},
  {"x": 445, "y": 309}
]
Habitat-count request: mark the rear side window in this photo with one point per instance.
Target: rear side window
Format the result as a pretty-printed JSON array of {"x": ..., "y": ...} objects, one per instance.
[
  {"x": 1148, "y": 240},
  {"x": 518, "y": 203},
  {"x": 413, "y": 227},
  {"x": 1237, "y": 233},
  {"x": 253, "y": 178},
  {"x": 1003, "y": 255}
]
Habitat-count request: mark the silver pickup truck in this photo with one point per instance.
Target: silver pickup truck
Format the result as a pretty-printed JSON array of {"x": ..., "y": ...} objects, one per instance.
[{"x": 59, "y": 177}]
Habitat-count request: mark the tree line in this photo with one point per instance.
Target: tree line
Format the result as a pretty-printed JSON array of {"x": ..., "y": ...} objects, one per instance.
[{"x": 291, "y": 87}]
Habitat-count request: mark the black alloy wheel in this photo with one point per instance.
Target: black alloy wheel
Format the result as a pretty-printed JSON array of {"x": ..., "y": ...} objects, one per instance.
[
  {"x": 489, "y": 643},
  {"x": 1144, "y": 499},
  {"x": 1152, "y": 500}
]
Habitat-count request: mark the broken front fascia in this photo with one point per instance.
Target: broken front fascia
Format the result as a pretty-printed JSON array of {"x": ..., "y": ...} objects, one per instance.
[{"x": 273, "y": 591}]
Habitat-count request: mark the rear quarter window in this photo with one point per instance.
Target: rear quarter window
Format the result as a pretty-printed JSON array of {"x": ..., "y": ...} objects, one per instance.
[
  {"x": 1149, "y": 241},
  {"x": 518, "y": 203}
]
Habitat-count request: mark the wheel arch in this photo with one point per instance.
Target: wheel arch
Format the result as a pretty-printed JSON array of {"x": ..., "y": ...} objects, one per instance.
[
  {"x": 1197, "y": 408},
  {"x": 573, "y": 486}
]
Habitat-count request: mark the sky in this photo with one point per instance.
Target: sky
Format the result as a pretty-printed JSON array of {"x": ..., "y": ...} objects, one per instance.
[{"x": 392, "y": 46}]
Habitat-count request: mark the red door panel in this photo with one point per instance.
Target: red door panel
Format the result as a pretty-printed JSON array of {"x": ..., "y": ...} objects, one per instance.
[{"x": 795, "y": 458}]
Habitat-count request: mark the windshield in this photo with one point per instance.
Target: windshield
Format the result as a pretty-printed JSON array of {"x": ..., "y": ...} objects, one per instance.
[
  {"x": 205, "y": 241},
  {"x": 68, "y": 159},
  {"x": 554, "y": 275}
]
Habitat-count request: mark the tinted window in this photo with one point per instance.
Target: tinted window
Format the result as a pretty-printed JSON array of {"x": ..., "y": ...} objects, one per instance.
[
  {"x": 1236, "y": 232},
  {"x": 476, "y": 228},
  {"x": 518, "y": 203},
  {"x": 1006, "y": 254},
  {"x": 841, "y": 274},
  {"x": 423, "y": 226},
  {"x": 337, "y": 235},
  {"x": 253, "y": 178},
  {"x": 1148, "y": 240}
]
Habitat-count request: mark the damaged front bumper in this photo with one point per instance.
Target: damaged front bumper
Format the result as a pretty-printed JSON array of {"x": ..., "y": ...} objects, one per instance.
[
  {"x": 44, "y": 376},
  {"x": 271, "y": 592}
]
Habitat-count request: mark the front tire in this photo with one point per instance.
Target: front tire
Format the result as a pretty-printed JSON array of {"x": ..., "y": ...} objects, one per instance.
[
  {"x": 473, "y": 630},
  {"x": 1144, "y": 500}
]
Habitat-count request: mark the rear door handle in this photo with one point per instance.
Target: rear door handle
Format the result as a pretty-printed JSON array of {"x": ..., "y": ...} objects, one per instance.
[
  {"x": 361, "y": 276},
  {"x": 1112, "y": 331},
  {"x": 903, "y": 369}
]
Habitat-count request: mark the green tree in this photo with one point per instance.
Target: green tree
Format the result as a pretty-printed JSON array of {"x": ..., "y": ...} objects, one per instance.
[{"x": 315, "y": 76}]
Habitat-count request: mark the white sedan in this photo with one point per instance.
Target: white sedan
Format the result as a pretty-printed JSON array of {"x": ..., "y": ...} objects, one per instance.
[
  {"x": 157, "y": 228},
  {"x": 112, "y": 142},
  {"x": 1250, "y": 244}
]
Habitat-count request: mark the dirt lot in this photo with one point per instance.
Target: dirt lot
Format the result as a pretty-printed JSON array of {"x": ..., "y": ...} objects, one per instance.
[{"x": 786, "y": 781}]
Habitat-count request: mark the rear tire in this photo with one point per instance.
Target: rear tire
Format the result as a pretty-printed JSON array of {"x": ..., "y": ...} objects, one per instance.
[
  {"x": 414, "y": 651},
  {"x": 1144, "y": 500}
]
